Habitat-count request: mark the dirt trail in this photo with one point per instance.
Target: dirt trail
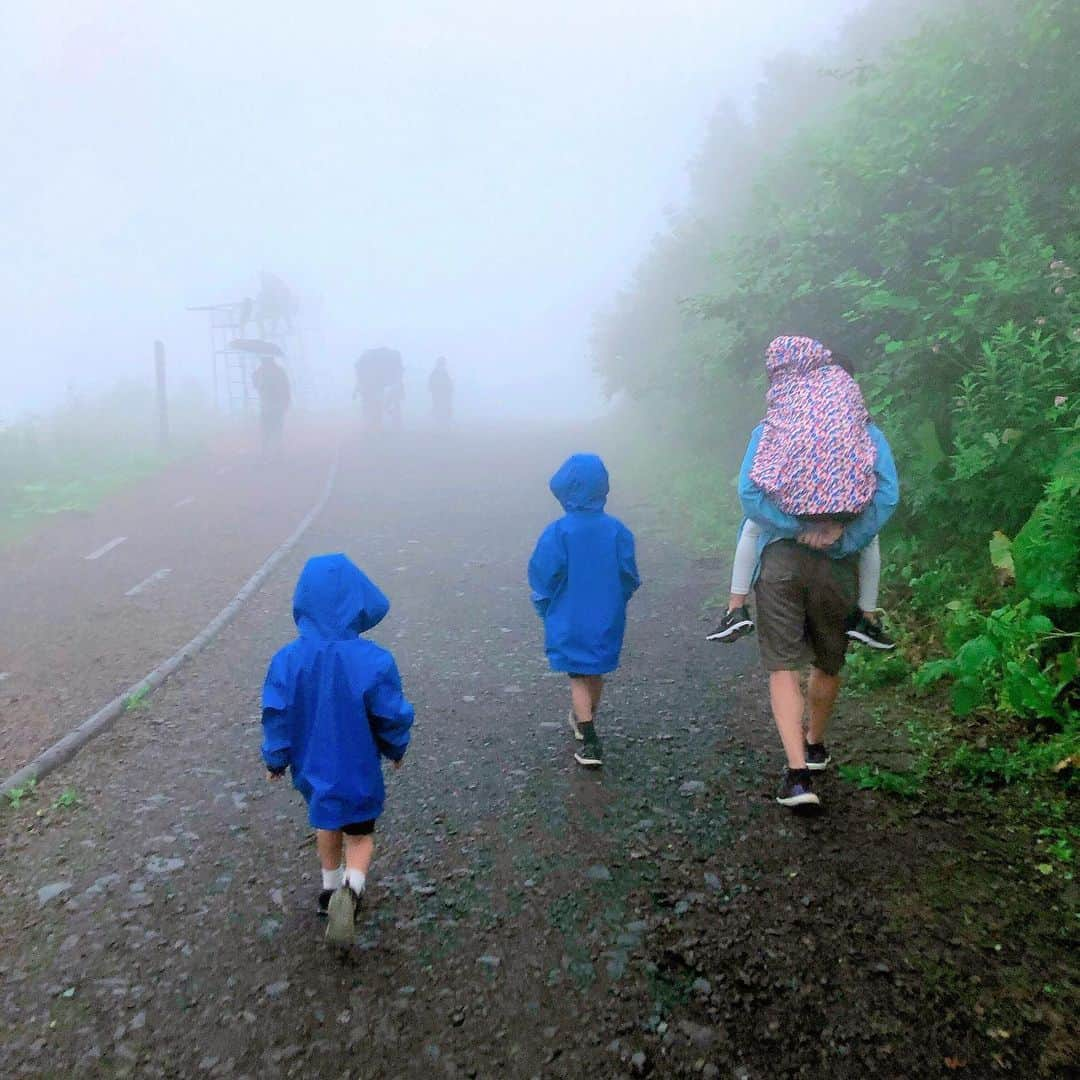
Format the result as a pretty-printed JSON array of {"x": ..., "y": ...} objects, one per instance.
[{"x": 525, "y": 918}]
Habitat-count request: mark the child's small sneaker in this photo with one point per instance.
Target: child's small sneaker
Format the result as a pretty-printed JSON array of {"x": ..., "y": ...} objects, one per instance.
[
  {"x": 324, "y": 902},
  {"x": 870, "y": 632},
  {"x": 795, "y": 790},
  {"x": 734, "y": 625},
  {"x": 817, "y": 757},
  {"x": 575, "y": 727},
  {"x": 341, "y": 917},
  {"x": 590, "y": 753}
]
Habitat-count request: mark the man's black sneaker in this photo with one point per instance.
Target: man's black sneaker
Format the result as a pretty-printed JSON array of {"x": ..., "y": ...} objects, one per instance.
[
  {"x": 341, "y": 917},
  {"x": 590, "y": 752},
  {"x": 871, "y": 633},
  {"x": 817, "y": 757},
  {"x": 324, "y": 902},
  {"x": 795, "y": 790},
  {"x": 734, "y": 625}
]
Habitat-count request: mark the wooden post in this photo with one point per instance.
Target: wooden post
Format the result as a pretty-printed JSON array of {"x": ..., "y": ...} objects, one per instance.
[{"x": 162, "y": 397}]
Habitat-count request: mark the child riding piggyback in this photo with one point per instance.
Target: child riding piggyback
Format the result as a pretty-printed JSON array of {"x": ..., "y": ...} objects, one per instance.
[{"x": 815, "y": 460}]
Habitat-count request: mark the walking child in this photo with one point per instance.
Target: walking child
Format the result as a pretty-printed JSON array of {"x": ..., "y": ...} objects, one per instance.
[
  {"x": 815, "y": 460},
  {"x": 332, "y": 708},
  {"x": 582, "y": 574}
]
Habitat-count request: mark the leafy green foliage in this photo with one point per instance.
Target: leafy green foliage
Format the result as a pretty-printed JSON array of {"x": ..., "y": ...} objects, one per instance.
[
  {"x": 1001, "y": 659},
  {"x": 137, "y": 700},
  {"x": 1047, "y": 549},
  {"x": 67, "y": 799},
  {"x": 872, "y": 778},
  {"x": 17, "y": 794},
  {"x": 918, "y": 207},
  {"x": 1025, "y": 761}
]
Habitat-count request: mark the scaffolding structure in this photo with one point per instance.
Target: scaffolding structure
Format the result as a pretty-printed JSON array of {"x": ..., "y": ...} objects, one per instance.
[{"x": 272, "y": 317}]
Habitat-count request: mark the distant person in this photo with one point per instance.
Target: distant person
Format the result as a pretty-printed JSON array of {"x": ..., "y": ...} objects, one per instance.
[
  {"x": 441, "y": 386},
  {"x": 332, "y": 706},
  {"x": 275, "y": 395},
  {"x": 582, "y": 575},
  {"x": 813, "y": 401},
  {"x": 806, "y": 565},
  {"x": 380, "y": 385}
]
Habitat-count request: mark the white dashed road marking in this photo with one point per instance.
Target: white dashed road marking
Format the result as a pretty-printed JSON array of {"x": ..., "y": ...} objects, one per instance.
[
  {"x": 184, "y": 502},
  {"x": 105, "y": 548},
  {"x": 4, "y": 675},
  {"x": 157, "y": 575}
]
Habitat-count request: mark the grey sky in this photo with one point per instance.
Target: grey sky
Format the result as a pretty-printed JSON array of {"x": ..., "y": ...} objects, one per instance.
[{"x": 468, "y": 178}]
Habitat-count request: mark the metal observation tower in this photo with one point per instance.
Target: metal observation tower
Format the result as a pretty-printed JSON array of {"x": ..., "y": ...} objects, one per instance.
[{"x": 242, "y": 330}]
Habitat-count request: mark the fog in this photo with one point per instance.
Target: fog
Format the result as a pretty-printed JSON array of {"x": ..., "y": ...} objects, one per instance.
[{"x": 472, "y": 179}]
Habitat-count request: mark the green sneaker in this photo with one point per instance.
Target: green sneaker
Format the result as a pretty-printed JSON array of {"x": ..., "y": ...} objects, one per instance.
[
  {"x": 590, "y": 753},
  {"x": 341, "y": 917}
]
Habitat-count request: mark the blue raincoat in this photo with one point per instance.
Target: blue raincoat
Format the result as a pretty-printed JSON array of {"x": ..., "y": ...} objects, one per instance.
[
  {"x": 583, "y": 572},
  {"x": 332, "y": 702}
]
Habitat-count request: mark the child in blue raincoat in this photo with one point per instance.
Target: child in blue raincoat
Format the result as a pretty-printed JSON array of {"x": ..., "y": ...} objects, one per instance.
[
  {"x": 582, "y": 574},
  {"x": 332, "y": 707}
]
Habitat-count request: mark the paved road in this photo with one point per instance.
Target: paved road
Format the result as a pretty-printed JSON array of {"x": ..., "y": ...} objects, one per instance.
[{"x": 93, "y": 602}]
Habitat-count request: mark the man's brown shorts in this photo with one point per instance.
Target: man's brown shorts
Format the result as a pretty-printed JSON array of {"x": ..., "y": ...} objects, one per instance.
[{"x": 804, "y": 599}]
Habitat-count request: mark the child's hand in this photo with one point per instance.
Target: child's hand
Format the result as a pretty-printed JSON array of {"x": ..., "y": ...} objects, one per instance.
[
  {"x": 398, "y": 764},
  {"x": 822, "y": 536},
  {"x": 272, "y": 776}
]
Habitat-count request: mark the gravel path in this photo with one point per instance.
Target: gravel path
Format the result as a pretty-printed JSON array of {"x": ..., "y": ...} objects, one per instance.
[{"x": 525, "y": 918}]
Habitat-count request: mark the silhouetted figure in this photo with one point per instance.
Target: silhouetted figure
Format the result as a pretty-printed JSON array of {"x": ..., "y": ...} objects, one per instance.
[
  {"x": 442, "y": 392},
  {"x": 380, "y": 385},
  {"x": 275, "y": 395}
]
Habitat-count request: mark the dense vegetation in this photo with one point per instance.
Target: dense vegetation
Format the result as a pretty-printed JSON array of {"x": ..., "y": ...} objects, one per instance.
[{"x": 917, "y": 204}]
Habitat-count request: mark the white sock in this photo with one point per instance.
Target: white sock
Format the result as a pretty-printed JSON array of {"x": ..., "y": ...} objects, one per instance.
[
  {"x": 333, "y": 879},
  {"x": 355, "y": 879}
]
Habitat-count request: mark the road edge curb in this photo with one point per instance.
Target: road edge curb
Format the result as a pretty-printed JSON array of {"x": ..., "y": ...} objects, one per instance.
[{"x": 64, "y": 749}]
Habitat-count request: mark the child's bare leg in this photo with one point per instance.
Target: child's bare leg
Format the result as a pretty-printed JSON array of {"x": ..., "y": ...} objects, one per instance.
[
  {"x": 581, "y": 697},
  {"x": 328, "y": 844},
  {"x": 358, "y": 853},
  {"x": 596, "y": 688}
]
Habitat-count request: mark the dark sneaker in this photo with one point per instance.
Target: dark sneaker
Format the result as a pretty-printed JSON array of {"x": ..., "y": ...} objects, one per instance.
[
  {"x": 341, "y": 917},
  {"x": 795, "y": 790},
  {"x": 590, "y": 752},
  {"x": 324, "y": 902},
  {"x": 734, "y": 625},
  {"x": 817, "y": 757},
  {"x": 871, "y": 633},
  {"x": 575, "y": 727}
]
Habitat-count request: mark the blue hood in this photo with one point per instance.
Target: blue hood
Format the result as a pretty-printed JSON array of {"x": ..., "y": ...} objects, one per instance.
[
  {"x": 581, "y": 483},
  {"x": 336, "y": 600}
]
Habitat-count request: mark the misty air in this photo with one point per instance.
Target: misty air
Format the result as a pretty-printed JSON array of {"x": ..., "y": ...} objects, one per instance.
[{"x": 539, "y": 540}]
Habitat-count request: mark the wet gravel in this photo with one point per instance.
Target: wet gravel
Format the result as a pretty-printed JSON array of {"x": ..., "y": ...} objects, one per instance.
[{"x": 525, "y": 917}]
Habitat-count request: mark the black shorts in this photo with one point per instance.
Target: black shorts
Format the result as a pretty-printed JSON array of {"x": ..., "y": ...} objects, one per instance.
[{"x": 359, "y": 828}]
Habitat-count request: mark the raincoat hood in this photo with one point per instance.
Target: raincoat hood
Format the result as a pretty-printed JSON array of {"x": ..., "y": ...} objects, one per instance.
[
  {"x": 581, "y": 483},
  {"x": 336, "y": 600}
]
